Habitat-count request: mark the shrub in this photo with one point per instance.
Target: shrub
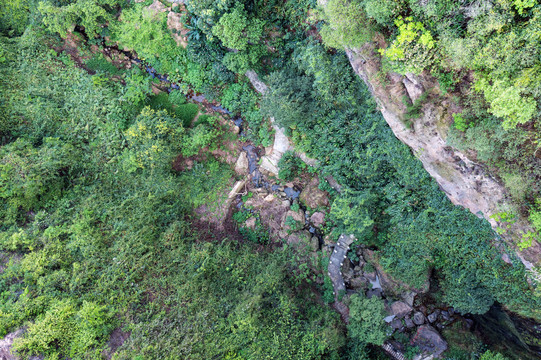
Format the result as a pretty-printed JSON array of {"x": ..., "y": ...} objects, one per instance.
[
  {"x": 65, "y": 329},
  {"x": 187, "y": 113},
  {"x": 100, "y": 64},
  {"x": 461, "y": 124},
  {"x": 383, "y": 11},
  {"x": 202, "y": 135},
  {"x": 290, "y": 166},
  {"x": 366, "y": 317}
]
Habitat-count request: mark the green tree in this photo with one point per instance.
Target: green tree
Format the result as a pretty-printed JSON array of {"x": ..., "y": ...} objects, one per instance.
[
  {"x": 347, "y": 24},
  {"x": 93, "y": 15},
  {"x": 236, "y": 30},
  {"x": 506, "y": 101},
  {"x": 366, "y": 320}
]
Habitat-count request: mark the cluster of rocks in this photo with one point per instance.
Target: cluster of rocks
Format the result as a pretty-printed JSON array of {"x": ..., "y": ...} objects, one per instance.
[{"x": 364, "y": 275}]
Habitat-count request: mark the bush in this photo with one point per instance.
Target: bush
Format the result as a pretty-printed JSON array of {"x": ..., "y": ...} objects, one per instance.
[
  {"x": 290, "y": 166},
  {"x": 66, "y": 329},
  {"x": 366, "y": 320},
  {"x": 98, "y": 63},
  {"x": 461, "y": 124},
  {"x": 187, "y": 113},
  {"x": 506, "y": 101}
]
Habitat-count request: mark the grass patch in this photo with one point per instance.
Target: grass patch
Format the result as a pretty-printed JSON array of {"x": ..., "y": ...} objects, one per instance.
[
  {"x": 187, "y": 113},
  {"x": 183, "y": 111},
  {"x": 99, "y": 63}
]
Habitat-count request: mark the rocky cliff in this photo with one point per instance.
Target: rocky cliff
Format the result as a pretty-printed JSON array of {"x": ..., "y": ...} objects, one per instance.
[{"x": 465, "y": 182}]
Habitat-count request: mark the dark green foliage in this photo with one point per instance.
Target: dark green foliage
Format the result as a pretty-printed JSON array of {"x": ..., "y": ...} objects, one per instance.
[
  {"x": 187, "y": 113},
  {"x": 290, "y": 166},
  {"x": 14, "y": 16},
  {"x": 257, "y": 234},
  {"x": 414, "y": 111},
  {"x": 97, "y": 226},
  {"x": 98, "y": 63},
  {"x": 391, "y": 200},
  {"x": 175, "y": 105}
]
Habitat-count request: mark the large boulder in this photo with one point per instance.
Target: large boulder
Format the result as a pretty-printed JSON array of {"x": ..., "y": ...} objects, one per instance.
[
  {"x": 429, "y": 340},
  {"x": 312, "y": 196},
  {"x": 400, "y": 309},
  {"x": 241, "y": 166},
  {"x": 317, "y": 218}
]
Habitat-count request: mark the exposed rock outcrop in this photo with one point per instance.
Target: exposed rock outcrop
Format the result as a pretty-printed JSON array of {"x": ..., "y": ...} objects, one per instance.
[
  {"x": 281, "y": 144},
  {"x": 465, "y": 182},
  {"x": 429, "y": 341},
  {"x": 5, "y": 345}
]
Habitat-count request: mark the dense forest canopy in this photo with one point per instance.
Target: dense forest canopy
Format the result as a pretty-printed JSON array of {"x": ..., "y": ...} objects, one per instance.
[{"x": 99, "y": 230}]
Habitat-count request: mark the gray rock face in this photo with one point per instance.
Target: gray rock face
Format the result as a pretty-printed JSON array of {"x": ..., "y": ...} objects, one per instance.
[
  {"x": 314, "y": 244},
  {"x": 413, "y": 87},
  {"x": 241, "y": 166},
  {"x": 5, "y": 345},
  {"x": 464, "y": 182},
  {"x": 419, "y": 318},
  {"x": 445, "y": 316},
  {"x": 374, "y": 292},
  {"x": 429, "y": 340},
  {"x": 357, "y": 282},
  {"x": 400, "y": 309}
]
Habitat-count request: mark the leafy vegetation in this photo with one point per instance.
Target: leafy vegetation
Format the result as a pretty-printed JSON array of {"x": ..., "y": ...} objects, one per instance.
[{"x": 99, "y": 232}]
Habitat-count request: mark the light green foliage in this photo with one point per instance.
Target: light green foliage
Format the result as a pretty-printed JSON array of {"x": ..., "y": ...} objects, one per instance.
[
  {"x": 366, "y": 324},
  {"x": 354, "y": 211},
  {"x": 66, "y": 329},
  {"x": 143, "y": 31},
  {"x": 461, "y": 124},
  {"x": 153, "y": 139},
  {"x": 522, "y": 5},
  {"x": 236, "y": 30},
  {"x": 489, "y": 355},
  {"x": 414, "y": 48},
  {"x": 201, "y": 136},
  {"x": 346, "y": 24},
  {"x": 88, "y": 13},
  {"x": 138, "y": 87},
  {"x": 102, "y": 237},
  {"x": 240, "y": 62},
  {"x": 506, "y": 101}
]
